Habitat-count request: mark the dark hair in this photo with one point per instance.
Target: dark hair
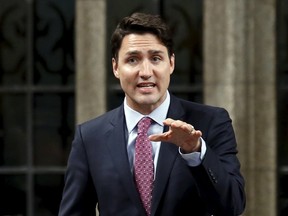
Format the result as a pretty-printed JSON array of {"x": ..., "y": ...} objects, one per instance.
[{"x": 141, "y": 23}]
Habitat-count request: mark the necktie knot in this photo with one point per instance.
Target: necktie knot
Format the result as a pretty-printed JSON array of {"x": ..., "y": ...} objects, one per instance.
[{"x": 143, "y": 125}]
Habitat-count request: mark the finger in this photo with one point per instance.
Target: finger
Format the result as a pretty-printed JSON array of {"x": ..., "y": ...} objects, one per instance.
[
  {"x": 168, "y": 121},
  {"x": 198, "y": 133},
  {"x": 192, "y": 128},
  {"x": 159, "y": 137},
  {"x": 178, "y": 123},
  {"x": 188, "y": 128}
]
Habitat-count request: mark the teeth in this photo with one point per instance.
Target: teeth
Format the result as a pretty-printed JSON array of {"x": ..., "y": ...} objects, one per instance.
[{"x": 146, "y": 85}]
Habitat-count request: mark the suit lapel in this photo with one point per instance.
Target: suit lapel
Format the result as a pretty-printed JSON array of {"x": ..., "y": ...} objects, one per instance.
[
  {"x": 167, "y": 156},
  {"x": 117, "y": 142},
  {"x": 117, "y": 145}
]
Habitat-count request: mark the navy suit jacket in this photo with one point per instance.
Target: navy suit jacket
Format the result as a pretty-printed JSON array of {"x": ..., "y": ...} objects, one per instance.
[{"x": 98, "y": 170}]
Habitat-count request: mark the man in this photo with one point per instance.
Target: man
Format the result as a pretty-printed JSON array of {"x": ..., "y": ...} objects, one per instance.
[{"x": 190, "y": 165}]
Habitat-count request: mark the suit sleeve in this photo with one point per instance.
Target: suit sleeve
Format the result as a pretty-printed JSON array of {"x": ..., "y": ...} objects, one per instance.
[
  {"x": 79, "y": 196},
  {"x": 218, "y": 178}
]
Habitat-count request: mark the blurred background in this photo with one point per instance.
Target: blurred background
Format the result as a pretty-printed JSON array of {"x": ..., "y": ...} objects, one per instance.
[{"x": 55, "y": 72}]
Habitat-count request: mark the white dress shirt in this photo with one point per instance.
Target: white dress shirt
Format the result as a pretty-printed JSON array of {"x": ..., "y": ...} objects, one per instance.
[{"x": 158, "y": 115}]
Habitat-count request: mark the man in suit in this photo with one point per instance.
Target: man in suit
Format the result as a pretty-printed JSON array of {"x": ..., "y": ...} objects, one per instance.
[{"x": 190, "y": 167}]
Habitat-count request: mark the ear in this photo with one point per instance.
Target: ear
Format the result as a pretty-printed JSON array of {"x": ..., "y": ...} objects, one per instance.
[
  {"x": 172, "y": 63},
  {"x": 115, "y": 68}
]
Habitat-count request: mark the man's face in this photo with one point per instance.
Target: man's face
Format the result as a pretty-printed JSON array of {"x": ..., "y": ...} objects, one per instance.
[{"x": 144, "y": 70}]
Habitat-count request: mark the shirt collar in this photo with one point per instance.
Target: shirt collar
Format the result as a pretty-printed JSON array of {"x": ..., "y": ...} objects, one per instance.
[{"x": 158, "y": 115}]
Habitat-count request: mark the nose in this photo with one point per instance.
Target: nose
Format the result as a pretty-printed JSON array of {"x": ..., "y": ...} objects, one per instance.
[{"x": 145, "y": 70}]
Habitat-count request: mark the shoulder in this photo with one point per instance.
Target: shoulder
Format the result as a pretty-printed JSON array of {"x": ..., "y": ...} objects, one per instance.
[
  {"x": 103, "y": 121},
  {"x": 198, "y": 114},
  {"x": 197, "y": 107}
]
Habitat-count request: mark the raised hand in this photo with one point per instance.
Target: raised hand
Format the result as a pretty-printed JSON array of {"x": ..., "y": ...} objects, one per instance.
[{"x": 181, "y": 134}]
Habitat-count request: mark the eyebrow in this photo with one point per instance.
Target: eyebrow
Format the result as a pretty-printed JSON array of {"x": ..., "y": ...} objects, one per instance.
[{"x": 136, "y": 52}]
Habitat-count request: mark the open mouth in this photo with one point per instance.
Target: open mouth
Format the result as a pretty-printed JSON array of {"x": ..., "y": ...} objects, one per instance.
[{"x": 146, "y": 85}]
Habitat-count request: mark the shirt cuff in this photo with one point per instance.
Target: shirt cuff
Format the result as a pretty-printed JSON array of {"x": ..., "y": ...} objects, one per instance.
[{"x": 195, "y": 158}]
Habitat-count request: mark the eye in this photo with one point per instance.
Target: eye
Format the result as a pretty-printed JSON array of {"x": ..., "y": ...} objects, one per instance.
[
  {"x": 156, "y": 59},
  {"x": 132, "y": 60}
]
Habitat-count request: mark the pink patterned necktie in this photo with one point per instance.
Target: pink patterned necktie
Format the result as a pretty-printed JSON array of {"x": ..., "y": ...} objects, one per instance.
[{"x": 143, "y": 165}]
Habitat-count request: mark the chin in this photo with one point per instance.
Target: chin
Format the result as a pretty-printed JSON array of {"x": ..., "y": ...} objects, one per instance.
[{"x": 149, "y": 101}]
